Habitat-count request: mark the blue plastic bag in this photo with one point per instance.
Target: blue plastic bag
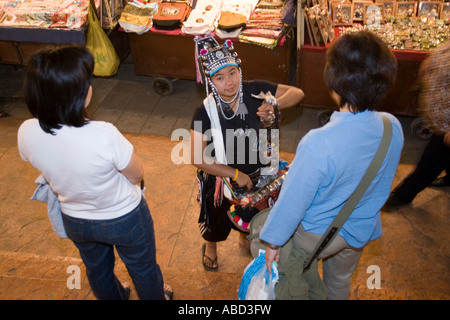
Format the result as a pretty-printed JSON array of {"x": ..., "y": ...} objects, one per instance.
[{"x": 257, "y": 283}]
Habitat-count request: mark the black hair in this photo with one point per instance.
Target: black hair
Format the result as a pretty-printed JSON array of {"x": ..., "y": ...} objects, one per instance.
[
  {"x": 56, "y": 84},
  {"x": 361, "y": 69}
]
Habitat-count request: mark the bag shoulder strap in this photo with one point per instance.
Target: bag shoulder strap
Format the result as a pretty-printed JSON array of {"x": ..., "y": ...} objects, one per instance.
[{"x": 353, "y": 200}]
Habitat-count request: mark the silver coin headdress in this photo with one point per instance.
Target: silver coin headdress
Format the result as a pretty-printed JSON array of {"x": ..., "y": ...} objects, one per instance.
[{"x": 211, "y": 57}]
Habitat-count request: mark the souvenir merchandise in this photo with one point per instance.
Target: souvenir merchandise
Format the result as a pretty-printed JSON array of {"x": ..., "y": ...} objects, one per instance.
[
  {"x": 445, "y": 12},
  {"x": 137, "y": 17},
  {"x": 245, "y": 205},
  {"x": 403, "y": 25},
  {"x": 111, "y": 11},
  {"x": 418, "y": 34},
  {"x": 203, "y": 17},
  {"x": 318, "y": 23},
  {"x": 342, "y": 13},
  {"x": 171, "y": 14},
  {"x": 45, "y": 14},
  {"x": 373, "y": 15},
  {"x": 265, "y": 26},
  {"x": 358, "y": 10},
  {"x": 233, "y": 17},
  {"x": 288, "y": 13},
  {"x": 231, "y": 20},
  {"x": 406, "y": 9},
  {"x": 388, "y": 10},
  {"x": 429, "y": 9}
]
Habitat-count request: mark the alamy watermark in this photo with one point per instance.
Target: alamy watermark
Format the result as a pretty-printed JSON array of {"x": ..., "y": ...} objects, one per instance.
[
  {"x": 74, "y": 280},
  {"x": 374, "y": 280},
  {"x": 261, "y": 144}
]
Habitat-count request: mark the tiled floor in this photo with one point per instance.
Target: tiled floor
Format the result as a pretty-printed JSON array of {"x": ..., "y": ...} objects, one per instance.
[{"x": 413, "y": 253}]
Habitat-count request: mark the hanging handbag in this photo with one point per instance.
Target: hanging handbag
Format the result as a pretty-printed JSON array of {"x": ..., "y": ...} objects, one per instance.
[
  {"x": 289, "y": 253},
  {"x": 171, "y": 14}
]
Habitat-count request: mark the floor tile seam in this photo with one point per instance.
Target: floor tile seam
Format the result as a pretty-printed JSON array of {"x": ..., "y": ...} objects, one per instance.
[
  {"x": 7, "y": 149},
  {"x": 124, "y": 113},
  {"x": 182, "y": 220},
  {"x": 27, "y": 255},
  {"x": 106, "y": 93},
  {"x": 2, "y": 276},
  {"x": 146, "y": 112},
  {"x": 170, "y": 271}
]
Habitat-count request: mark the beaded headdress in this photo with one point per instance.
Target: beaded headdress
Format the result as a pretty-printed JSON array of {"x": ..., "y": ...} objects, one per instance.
[{"x": 211, "y": 57}]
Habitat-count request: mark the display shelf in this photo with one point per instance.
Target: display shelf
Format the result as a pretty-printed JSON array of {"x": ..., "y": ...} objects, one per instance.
[
  {"x": 401, "y": 100},
  {"x": 172, "y": 55}
]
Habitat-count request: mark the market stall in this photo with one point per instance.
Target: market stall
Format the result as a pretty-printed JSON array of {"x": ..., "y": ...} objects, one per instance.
[
  {"x": 165, "y": 49},
  {"x": 401, "y": 99},
  {"x": 27, "y": 26},
  {"x": 410, "y": 36},
  {"x": 167, "y": 56}
]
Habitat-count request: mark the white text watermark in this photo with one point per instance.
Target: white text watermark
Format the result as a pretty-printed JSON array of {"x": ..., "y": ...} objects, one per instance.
[{"x": 261, "y": 146}]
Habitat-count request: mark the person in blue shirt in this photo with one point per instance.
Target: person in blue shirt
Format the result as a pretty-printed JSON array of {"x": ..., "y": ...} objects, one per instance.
[{"x": 330, "y": 162}]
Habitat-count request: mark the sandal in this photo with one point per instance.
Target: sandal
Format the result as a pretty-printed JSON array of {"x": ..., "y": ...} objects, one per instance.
[
  {"x": 127, "y": 293},
  {"x": 168, "y": 292},
  {"x": 211, "y": 261},
  {"x": 127, "y": 288}
]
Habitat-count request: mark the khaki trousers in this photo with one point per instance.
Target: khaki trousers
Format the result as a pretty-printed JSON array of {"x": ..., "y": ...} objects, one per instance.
[{"x": 339, "y": 261}]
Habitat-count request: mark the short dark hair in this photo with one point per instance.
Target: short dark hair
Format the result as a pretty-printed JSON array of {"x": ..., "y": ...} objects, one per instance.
[
  {"x": 56, "y": 84},
  {"x": 361, "y": 69}
]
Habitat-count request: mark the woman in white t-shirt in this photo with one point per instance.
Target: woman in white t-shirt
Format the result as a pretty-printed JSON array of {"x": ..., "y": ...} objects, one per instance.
[{"x": 94, "y": 171}]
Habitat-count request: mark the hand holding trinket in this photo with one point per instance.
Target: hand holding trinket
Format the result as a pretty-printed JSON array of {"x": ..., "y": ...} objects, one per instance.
[{"x": 267, "y": 110}]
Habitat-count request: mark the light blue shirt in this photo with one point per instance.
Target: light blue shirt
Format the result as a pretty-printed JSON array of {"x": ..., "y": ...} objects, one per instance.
[{"x": 329, "y": 164}]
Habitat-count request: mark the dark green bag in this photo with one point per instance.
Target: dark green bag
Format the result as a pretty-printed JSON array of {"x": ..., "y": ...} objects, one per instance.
[{"x": 306, "y": 286}]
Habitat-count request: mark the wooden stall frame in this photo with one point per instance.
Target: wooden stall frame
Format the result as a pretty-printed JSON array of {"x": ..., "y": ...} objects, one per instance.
[{"x": 173, "y": 56}]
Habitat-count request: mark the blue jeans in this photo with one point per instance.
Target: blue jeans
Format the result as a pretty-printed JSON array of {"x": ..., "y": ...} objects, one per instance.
[{"x": 134, "y": 239}]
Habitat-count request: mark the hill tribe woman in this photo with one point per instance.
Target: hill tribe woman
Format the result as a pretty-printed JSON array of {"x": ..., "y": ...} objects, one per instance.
[{"x": 231, "y": 116}]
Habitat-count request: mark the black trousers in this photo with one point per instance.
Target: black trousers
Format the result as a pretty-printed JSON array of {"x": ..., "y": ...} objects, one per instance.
[
  {"x": 215, "y": 225},
  {"x": 434, "y": 160}
]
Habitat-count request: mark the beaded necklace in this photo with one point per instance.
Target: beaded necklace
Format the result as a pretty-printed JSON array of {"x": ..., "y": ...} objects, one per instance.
[{"x": 219, "y": 99}]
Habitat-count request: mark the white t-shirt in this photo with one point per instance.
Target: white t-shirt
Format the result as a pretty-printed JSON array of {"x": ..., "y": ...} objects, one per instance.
[{"x": 82, "y": 166}]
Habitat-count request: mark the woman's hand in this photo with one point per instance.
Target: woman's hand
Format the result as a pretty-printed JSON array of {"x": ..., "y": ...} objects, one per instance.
[
  {"x": 271, "y": 256},
  {"x": 267, "y": 114},
  {"x": 243, "y": 180},
  {"x": 134, "y": 171}
]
